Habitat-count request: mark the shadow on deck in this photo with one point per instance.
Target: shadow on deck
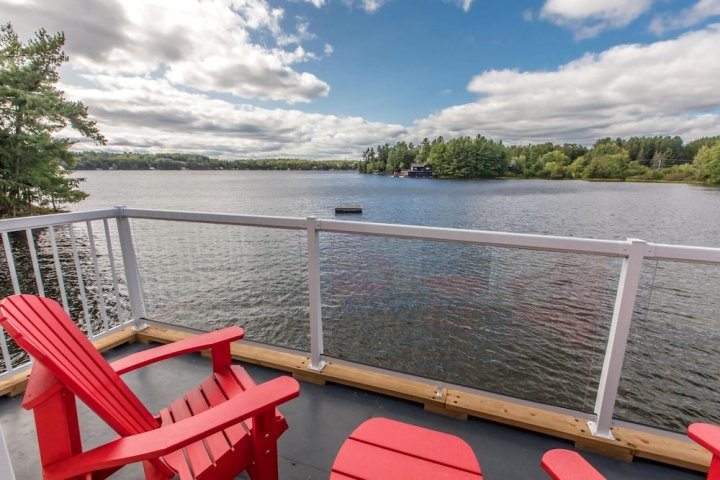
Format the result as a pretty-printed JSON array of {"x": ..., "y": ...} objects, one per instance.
[{"x": 320, "y": 420}]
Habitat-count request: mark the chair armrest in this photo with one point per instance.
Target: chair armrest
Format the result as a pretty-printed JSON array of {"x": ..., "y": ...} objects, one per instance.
[
  {"x": 707, "y": 436},
  {"x": 143, "y": 446},
  {"x": 41, "y": 386},
  {"x": 181, "y": 347},
  {"x": 568, "y": 465}
]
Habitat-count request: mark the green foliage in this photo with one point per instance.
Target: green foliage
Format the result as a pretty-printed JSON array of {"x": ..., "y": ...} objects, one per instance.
[
  {"x": 186, "y": 161},
  {"x": 707, "y": 162},
  {"x": 31, "y": 111},
  {"x": 638, "y": 158},
  {"x": 555, "y": 164},
  {"x": 462, "y": 157}
]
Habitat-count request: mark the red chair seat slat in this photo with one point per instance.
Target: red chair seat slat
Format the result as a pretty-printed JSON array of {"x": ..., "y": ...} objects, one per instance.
[
  {"x": 197, "y": 453},
  {"x": 177, "y": 460},
  {"x": 217, "y": 443},
  {"x": 419, "y": 442},
  {"x": 563, "y": 464},
  {"x": 215, "y": 396},
  {"x": 364, "y": 461}
]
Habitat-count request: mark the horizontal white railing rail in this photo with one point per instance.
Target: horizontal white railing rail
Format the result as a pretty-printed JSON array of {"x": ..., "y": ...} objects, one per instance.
[
  {"x": 632, "y": 251},
  {"x": 548, "y": 243}
]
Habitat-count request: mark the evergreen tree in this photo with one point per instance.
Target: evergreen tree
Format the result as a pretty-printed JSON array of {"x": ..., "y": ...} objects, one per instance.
[{"x": 32, "y": 110}]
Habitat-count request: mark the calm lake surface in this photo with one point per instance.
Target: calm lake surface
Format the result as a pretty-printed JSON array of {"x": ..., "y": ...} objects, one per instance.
[{"x": 528, "y": 324}]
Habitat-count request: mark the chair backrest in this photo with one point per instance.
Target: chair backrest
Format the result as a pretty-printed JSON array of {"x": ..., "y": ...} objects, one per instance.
[{"x": 43, "y": 329}]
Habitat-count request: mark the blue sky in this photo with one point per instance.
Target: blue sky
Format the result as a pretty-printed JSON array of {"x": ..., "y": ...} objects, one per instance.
[{"x": 328, "y": 78}]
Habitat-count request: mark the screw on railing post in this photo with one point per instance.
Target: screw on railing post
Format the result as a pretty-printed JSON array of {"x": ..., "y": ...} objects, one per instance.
[
  {"x": 316, "y": 333},
  {"x": 617, "y": 339},
  {"x": 132, "y": 271}
]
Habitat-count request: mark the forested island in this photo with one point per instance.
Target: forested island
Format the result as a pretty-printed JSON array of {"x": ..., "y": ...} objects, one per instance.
[
  {"x": 187, "y": 161},
  {"x": 659, "y": 158}
]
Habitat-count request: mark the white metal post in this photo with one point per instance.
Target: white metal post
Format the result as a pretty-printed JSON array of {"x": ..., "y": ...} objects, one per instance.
[
  {"x": 617, "y": 339},
  {"x": 11, "y": 263},
  {"x": 316, "y": 333},
  {"x": 132, "y": 271},
  {"x": 6, "y": 470}
]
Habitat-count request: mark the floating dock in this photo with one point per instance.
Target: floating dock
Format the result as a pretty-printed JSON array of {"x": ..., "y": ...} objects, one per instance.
[{"x": 348, "y": 209}]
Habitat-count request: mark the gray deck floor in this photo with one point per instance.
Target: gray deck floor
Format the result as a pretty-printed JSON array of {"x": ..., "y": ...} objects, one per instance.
[{"x": 320, "y": 420}]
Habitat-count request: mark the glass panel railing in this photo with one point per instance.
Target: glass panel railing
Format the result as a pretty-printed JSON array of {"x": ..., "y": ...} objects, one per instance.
[
  {"x": 528, "y": 324},
  {"x": 670, "y": 377},
  {"x": 207, "y": 277}
]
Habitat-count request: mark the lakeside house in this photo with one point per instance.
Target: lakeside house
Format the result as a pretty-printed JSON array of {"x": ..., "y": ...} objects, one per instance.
[{"x": 417, "y": 170}]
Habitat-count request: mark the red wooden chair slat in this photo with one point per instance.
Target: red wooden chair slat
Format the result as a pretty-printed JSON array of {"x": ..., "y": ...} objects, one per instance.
[
  {"x": 56, "y": 342},
  {"x": 563, "y": 464},
  {"x": 381, "y": 449},
  {"x": 197, "y": 453},
  {"x": 215, "y": 445},
  {"x": 216, "y": 396},
  {"x": 437, "y": 447},
  {"x": 178, "y": 459},
  {"x": 340, "y": 476},
  {"x": 372, "y": 462}
]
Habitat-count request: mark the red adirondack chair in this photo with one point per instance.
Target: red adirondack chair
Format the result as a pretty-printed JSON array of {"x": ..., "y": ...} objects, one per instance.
[
  {"x": 222, "y": 427},
  {"x": 568, "y": 465}
]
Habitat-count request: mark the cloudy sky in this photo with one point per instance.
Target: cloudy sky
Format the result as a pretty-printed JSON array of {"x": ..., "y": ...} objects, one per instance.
[{"x": 328, "y": 78}]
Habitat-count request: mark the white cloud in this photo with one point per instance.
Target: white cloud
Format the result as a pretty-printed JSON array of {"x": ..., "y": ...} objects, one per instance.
[
  {"x": 204, "y": 45},
  {"x": 668, "y": 87},
  {"x": 372, "y": 6},
  {"x": 145, "y": 114},
  {"x": 317, "y": 3},
  {"x": 463, "y": 4},
  {"x": 150, "y": 76},
  {"x": 688, "y": 17},
  {"x": 588, "y": 18}
]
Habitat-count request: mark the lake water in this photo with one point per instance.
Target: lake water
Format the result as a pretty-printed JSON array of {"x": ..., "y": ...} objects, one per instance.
[{"x": 528, "y": 324}]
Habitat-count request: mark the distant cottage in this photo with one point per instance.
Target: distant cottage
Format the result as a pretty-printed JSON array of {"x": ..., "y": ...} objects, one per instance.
[{"x": 418, "y": 170}]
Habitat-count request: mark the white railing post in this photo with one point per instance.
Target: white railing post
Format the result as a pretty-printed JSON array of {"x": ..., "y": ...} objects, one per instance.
[
  {"x": 316, "y": 333},
  {"x": 617, "y": 339},
  {"x": 6, "y": 470},
  {"x": 132, "y": 271}
]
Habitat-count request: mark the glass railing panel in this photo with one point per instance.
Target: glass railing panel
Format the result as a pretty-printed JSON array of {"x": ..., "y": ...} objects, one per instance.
[
  {"x": 670, "y": 377},
  {"x": 207, "y": 277},
  {"x": 527, "y": 324}
]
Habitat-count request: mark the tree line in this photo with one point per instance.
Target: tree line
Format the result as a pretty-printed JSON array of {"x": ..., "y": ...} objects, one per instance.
[
  {"x": 659, "y": 158},
  {"x": 186, "y": 161}
]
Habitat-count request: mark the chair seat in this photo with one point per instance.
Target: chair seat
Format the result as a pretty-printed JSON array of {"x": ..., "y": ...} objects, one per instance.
[
  {"x": 386, "y": 449},
  {"x": 203, "y": 459}
]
